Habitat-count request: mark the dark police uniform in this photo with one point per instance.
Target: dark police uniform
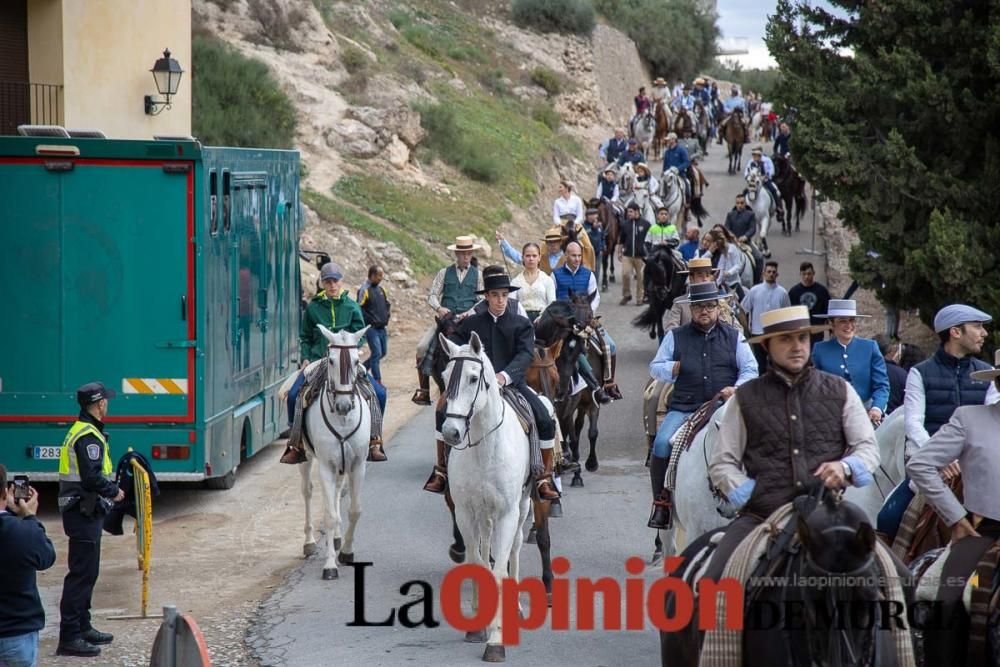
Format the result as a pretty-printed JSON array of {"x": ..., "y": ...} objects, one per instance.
[{"x": 85, "y": 493}]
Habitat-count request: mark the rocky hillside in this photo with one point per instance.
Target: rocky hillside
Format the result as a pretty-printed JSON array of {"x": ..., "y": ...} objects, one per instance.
[{"x": 524, "y": 110}]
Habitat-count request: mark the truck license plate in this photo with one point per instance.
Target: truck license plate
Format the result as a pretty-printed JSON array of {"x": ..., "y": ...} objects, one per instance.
[{"x": 46, "y": 453}]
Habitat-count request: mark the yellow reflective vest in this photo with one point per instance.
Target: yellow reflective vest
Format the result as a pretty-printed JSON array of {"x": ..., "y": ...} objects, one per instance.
[{"x": 69, "y": 467}]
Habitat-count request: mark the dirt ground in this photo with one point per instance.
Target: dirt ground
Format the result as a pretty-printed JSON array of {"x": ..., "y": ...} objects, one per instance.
[{"x": 216, "y": 554}]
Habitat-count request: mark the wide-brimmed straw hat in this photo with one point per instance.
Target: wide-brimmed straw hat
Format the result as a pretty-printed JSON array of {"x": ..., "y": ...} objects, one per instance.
[
  {"x": 660, "y": 81},
  {"x": 780, "y": 321},
  {"x": 699, "y": 263},
  {"x": 497, "y": 281},
  {"x": 612, "y": 167},
  {"x": 553, "y": 234},
  {"x": 464, "y": 243},
  {"x": 841, "y": 308},
  {"x": 989, "y": 375},
  {"x": 699, "y": 292},
  {"x": 644, "y": 167}
]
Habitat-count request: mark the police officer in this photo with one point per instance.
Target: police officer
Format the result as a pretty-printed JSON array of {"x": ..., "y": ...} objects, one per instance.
[{"x": 86, "y": 492}]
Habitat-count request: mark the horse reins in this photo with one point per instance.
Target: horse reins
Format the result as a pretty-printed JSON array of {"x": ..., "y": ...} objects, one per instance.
[
  {"x": 346, "y": 366},
  {"x": 451, "y": 393}
]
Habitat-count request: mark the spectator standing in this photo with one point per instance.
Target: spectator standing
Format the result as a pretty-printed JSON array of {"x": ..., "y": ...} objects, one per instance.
[
  {"x": 812, "y": 295},
  {"x": 761, "y": 298},
  {"x": 692, "y": 242},
  {"x": 892, "y": 351},
  {"x": 27, "y": 551},
  {"x": 376, "y": 309}
]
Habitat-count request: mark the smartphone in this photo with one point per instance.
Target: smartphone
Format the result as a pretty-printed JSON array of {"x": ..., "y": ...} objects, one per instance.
[{"x": 21, "y": 491}]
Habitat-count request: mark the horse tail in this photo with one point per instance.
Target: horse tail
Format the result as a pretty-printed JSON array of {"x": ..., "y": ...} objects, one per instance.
[
  {"x": 697, "y": 209},
  {"x": 648, "y": 318}
]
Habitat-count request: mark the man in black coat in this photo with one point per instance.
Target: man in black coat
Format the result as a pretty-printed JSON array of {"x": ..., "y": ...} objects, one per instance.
[
  {"x": 509, "y": 341},
  {"x": 741, "y": 221}
]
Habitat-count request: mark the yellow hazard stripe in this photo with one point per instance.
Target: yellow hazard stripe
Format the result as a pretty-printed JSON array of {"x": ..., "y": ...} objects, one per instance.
[{"x": 177, "y": 386}]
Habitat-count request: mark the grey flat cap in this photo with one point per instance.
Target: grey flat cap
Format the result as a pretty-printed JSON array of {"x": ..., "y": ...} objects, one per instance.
[{"x": 956, "y": 314}]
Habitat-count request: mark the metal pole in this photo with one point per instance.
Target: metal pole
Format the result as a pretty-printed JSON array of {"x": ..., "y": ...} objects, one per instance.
[{"x": 811, "y": 250}]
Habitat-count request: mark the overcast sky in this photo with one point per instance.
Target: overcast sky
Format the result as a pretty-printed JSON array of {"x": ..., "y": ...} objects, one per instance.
[{"x": 747, "y": 18}]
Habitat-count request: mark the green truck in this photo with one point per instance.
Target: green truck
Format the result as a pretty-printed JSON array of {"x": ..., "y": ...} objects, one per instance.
[{"x": 164, "y": 269}]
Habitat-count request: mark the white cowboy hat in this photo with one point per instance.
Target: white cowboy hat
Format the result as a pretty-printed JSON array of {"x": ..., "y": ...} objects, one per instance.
[
  {"x": 794, "y": 319},
  {"x": 989, "y": 375},
  {"x": 659, "y": 81},
  {"x": 463, "y": 243},
  {"x": 841, "y": 308},
  {"x": 644, "y": 167}
]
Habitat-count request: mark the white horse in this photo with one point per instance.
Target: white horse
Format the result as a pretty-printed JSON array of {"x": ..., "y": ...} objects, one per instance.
[
  {"x": 339, "y": 426},
  {"x": 695, "y": 508},
  {"x": 643, "y": 129},
  {"x": 643, "y": 197},
  {"x": 674, "y": 197},
  {"x": 762, "y": 204},
  {"x": 626, "y": 180},
  {"x": 487, "y": 472}
]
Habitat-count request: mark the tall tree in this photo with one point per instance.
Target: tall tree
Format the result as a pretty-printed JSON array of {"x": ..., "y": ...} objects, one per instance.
[{"x": 899, "y": 121}]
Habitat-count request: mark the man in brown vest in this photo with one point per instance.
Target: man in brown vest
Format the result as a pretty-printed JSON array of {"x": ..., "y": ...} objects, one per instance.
[{"x": 794, "y": 419}]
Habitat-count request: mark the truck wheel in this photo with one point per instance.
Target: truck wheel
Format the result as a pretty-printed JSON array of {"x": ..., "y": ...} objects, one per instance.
[{"x": 227, "y": 481}]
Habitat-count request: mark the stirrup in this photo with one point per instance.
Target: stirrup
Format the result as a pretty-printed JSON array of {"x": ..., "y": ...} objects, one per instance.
[
  {"x": 438, "y": 481},
  {"x": 293, "y": 455},
  {"x": 376, "y": 452},
  {"x": 546, "y": 481},
  {"x": 421, "y": 397},
  {"x": 613, "y": 391}
]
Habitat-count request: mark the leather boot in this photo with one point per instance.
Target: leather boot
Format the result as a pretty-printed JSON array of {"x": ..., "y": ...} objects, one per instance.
[
  {"x": 546, "y": 489},
  {"x": 438, "y": 480},
  {"x": 600, "y": 395},
  {"x": 293, "y": 455},
  {"x": 375, "y": 450},
  {"x": 422, "y": 396},
  {"x": 612, "y": 387},
  {"x": 661, "y": 517}
]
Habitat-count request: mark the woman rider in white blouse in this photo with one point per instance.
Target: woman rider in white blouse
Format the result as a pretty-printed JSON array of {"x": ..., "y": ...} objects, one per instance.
[
  {"x": 567, "y": 202},
  {"x": 538, "y": 289}
]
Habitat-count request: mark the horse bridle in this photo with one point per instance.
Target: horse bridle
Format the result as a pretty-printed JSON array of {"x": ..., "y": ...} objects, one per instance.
[
  {"x": 346, "y": 368},
  {"x": 451, "y": 393}
]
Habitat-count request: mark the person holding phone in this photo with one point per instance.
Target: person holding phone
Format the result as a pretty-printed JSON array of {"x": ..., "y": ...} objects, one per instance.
[
  {"x": 86, "y": 493},
  {"x": 28, "y": 551}
]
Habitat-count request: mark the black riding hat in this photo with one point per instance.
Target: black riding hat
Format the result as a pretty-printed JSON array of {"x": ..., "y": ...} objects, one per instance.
[{"x": 497, "y": 281}]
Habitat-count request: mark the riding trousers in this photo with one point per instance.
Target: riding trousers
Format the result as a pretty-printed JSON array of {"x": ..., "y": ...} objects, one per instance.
[
  {"x": 293, "y": 395},
  {"x": 893, "y": 509},
  {"x": 546, "y": 426},
  {"x": 671, "y": 422}
]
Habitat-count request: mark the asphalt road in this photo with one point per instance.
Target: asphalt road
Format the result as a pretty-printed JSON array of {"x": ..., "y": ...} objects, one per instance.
[{"x": 405, "y": 531}]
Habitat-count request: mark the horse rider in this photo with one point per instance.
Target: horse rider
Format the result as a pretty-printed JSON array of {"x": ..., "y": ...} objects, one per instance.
[
  {"x": 334, "y": 308},
  {"x": 784, "y": 428},
  {"x": 765, "y": 167},
  {"x": 663, "y": 231},
  {"x": 567, "y": 203},
  {"x": 969, "y": 437},
  {"x": 580, "y": 233},
  {"x": 574, "y": 277},
  {"x": 686, "y": 100},
  {"x": 644, "y": 180},
  {"x": 692, "y": 242},
  {"x": 727, "y": 256},
  {"x": 781, "y": 146},
  {"x": 677, "y": 90},
  {"x": 676, "y": 155},
  {"x": 740, "y": 221},
  {"x": 858, "y": 360},
  {"x": 702, "y": 359},
  {"x": 632, "y": 154},
  {"x": 701, "y": 94},
  {"x": 608, "y": 189},
  {"x": 508, "y": 341},
  {"x": 729, "y": 106},
  {"x": 86, "y": 494},
  {"x": 661, "y": 92},
  {"x": 699, "y": 270},
  {"x": 642, "y": 105},
  {"x": 935, "y": 388},
  {"x": 615, "y": 146},
  {"x": 454, "y": 290}
]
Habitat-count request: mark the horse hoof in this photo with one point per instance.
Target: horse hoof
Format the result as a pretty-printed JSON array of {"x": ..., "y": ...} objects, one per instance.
[
  {"x": 336, "y": 543},
  {"x": 548, "y": 599},
  {"x": 457, "y": 555},
  {"x": 555, "y": 509},
  {"x": 309, "y": 549},
  {"x": 494, "y": 653},
  {"x": 531, "y": 539},
  {"x": 591, "y": 463},
  {"x": 577, "y": 481},
  {"x": 330, "y": 573},
  {"x": 477, "y": 637},
  {"x": 345, "y": 558}
]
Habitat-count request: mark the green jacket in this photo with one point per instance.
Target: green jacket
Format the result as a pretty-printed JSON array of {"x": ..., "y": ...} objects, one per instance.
[{"x": 341, "y": 314}]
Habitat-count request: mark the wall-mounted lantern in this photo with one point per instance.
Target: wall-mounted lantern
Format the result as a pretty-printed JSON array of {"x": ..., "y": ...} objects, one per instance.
[{"x": 167, "y": 75}]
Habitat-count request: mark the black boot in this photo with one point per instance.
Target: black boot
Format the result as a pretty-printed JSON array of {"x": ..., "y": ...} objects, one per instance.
[
  {"x": 600, "y": 395},
  {"x": 422, "y": 396},
  {"x": 78, "y": 647},
  {"x": 660, "y": 517}
]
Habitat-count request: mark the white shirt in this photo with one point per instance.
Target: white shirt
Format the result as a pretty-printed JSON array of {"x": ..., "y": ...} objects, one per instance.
[
  {"x": 536, "y": 295},
  {"x": 761, "y": 298},
  {"x": 915, "y": 403},
  {"x": 562, "y": 206},
  {"x": 768, "y": 167}
]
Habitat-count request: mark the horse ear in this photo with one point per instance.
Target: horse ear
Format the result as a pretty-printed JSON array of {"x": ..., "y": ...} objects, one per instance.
[
  {"x": 475, "y": 344},
  {"x": 327, "y": 334},
  {"x": 865, "y": 537},
  {"x": 449, "y": 348},
  {"x": 358, "y": 335}
]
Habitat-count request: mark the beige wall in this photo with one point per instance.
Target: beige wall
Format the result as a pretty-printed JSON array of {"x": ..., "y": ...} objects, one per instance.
[
  {"x": 45, "y": 52},
  {"x": 108, "y": 48}
]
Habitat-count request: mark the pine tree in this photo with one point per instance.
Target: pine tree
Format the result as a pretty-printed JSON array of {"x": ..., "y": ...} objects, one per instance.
[{"x": 899, "y": 121}]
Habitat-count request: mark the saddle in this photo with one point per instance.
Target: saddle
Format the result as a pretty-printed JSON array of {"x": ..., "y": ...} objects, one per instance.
[
  {"x": 315, "y": 379},
  {"x": 921, "y": 530}
]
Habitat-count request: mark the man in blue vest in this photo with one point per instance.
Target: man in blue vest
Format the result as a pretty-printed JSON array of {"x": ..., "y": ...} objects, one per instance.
[
  {"x": 86, "y": 493},
  {"x": 454, "y": 290},
  {"x": 935, "y": 388},
  {"x": 701, "y": 359},
  {"x": 574, "y": 276},
  {"x": 615, "y": 146}
]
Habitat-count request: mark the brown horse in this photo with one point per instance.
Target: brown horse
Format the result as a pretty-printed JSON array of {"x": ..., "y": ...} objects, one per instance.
[
  {"x": 609, "y": 222},
  {"x": 792, "y": 188},
  {"x": 662, "y": 128},
  {"x": 683, "y": 124},
  {"x": 573, "y": 409},
  {"x": 736, "y": 137},
  {"x": 698, "y": 185}
]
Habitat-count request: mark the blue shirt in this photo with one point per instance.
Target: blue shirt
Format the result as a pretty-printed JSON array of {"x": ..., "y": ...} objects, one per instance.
[
  {"x": 677, "y": 157},
  {"x": 662, "y": 366},
  {"x": 860, "y": 363},
  {"x": 733, "y": 103},
  {"x": 512, "y": 253},
  {"x": 688, "y": 250}
]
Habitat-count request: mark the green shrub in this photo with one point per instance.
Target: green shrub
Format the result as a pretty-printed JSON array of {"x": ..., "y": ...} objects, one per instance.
[
  {"x": 235, "y": 100},
  {"x": 547, "y": 79},
  {"x": 566, "y": 16},
  {"x": 493, "y": 81},
  {"x": 453, "y": 146},
  {"x": 399, "y": 18},
  {"x": 470, "y": 54},
  {"x": 424, "y": 39},
  {"x": 546, "y": 115},
  {"x": 353, "y": 59}
]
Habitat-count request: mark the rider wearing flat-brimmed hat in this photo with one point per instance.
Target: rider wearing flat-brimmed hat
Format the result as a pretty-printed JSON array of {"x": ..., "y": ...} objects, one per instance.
[{"x": 783, "y": 430}]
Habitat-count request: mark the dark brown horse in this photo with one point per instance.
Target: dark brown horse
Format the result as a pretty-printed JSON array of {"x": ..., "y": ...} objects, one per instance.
[
  {"x": 609, "y": 222},
  {"x": 574, "y": 408},
  {"x": 683, "y": 124},
  {"x": 736, "y": 137},
  {"x": 663, "y": 283},
  {"x": 446, "y": 326},
  {"x": 793, "y": 190}
]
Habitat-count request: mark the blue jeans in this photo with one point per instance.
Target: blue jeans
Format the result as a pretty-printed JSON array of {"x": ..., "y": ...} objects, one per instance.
[
  {"x": 671, "y": 422},
  {"x": 378, "y": 342},
  {"x": 611, "y": 342},
  {"x": 293, "y": 394},
  {"x": 891, "y": 514},
  {"x": 19, "y": 650},
  {"x": 380, "y": 393}
]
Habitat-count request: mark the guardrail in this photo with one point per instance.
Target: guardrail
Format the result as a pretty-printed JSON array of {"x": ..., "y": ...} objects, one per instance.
[{"x": 26, "y": 103}]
